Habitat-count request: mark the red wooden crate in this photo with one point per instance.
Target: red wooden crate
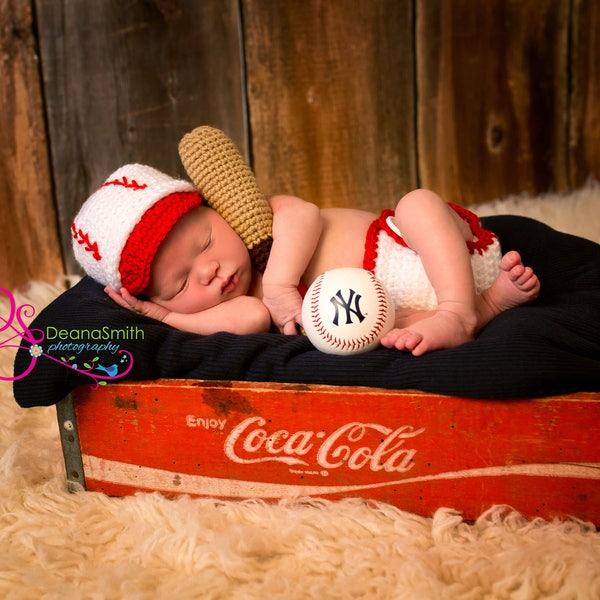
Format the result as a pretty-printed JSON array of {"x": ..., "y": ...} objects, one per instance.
[{"x": 415, "y": 450}]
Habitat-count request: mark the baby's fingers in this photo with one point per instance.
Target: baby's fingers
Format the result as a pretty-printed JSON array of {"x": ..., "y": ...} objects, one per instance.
[
  {"x": 123, "y": 298},
  {"x": 114, "y": 295},
  {"x": 131, "y": 300},
  {"x": 289, "y": 328},
  {"x": 135, "y": 304}
]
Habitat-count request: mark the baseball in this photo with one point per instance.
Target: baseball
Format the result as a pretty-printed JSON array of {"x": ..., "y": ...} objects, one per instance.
[{"x": 347, "y": 311}]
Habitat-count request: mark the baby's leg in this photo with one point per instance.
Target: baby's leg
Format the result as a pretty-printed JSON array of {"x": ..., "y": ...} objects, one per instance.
[
  {"x": 434, "y": 231},
  {"x": 514, "y": 286}
]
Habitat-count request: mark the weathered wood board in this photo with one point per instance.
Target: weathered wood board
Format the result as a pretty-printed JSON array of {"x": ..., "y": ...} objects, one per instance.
[
  {"x": 584, "y": 110},
  {"x": 493, "y": 92},
  {"x": 331, "y": 99},
  {"x": 30, "y": 247}
]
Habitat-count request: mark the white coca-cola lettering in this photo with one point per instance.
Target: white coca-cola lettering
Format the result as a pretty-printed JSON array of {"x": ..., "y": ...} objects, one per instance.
[
  {"x": 388, "y": 456},
  {"x": 278, "y": 442},
  {"x": 347, "y": 446}
]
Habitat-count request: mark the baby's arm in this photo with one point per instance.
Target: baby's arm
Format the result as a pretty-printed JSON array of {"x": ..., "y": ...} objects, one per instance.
[
  {"x": 297, "y": 228},
  {"x": 241, "y": 315}
]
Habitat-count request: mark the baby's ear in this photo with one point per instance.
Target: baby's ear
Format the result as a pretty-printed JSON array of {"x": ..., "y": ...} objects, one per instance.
[{"x": 227, "y": 184}]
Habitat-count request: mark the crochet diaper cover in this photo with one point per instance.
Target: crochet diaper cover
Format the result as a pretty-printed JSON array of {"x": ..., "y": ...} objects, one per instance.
[{"x": 401, "y": 271}]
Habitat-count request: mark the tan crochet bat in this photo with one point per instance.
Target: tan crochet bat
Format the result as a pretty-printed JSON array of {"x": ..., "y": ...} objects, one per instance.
[{"x": 227, "y": 184}]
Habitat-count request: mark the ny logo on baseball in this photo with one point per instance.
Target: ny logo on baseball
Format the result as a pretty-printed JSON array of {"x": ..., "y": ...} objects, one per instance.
[
  {"x": 339, "y": 302},
  {"x": 347, "y": 311}
]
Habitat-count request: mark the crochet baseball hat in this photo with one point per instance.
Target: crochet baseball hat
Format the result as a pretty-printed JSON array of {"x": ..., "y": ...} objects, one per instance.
[
  {"x": 119, "y": 228},
  {"x": 227, "y": 184}
]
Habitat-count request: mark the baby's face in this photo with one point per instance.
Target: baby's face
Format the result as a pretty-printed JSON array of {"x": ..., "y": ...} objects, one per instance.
[{"x": 201, "y": 263}]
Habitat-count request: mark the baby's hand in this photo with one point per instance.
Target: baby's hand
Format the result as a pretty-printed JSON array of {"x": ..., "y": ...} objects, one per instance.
[
  {"x": 285, "y": 305},
  {"x": 142, "y": 307}
]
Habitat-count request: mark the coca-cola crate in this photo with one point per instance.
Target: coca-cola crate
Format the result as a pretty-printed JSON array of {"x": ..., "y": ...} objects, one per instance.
[{"x": 415, "y": 450}]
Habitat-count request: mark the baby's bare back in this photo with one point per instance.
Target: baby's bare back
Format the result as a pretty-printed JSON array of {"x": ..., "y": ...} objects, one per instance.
[{"x": 342, "y": 242}]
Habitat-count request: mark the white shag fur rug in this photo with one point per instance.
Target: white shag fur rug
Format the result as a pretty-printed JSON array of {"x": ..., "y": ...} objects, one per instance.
[{"x": 56, "y": 545}]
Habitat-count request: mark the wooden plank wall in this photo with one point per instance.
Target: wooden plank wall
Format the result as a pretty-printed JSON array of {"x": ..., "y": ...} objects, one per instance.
[
  {"x": 344, "y": 102},
  {"x": 29, "y": 235},
  {"x": 332, "y": 99}
]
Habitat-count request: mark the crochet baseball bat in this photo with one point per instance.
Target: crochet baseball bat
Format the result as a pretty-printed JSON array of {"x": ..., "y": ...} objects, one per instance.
[{"x": 226, "y": 183}]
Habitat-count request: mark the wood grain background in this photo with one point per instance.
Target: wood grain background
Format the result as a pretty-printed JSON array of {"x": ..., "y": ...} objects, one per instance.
[{"x": 343, "y": 102}]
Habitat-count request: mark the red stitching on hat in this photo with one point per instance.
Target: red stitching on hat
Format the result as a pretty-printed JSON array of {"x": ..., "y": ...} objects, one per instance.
[
  {"x": 84, "y": 238},
  {"x": 133, "y": 184}
]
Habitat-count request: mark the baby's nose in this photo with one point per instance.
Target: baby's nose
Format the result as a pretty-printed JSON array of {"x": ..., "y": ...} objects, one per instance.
[{"x": 206, "y": 271}]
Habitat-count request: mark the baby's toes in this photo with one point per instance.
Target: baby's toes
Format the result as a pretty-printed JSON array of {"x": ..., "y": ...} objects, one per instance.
[{"x": 408, "y": 340}]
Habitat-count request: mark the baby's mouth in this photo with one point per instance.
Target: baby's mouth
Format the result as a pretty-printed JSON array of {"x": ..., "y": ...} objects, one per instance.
[{"x": 230, "y": 283}]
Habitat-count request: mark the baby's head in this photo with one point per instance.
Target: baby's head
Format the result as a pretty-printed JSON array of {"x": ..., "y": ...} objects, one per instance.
[{"x": 119, "y": 228}]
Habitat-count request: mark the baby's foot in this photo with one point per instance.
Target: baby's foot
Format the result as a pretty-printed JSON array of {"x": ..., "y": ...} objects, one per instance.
[
  {"x": 440, "y": 329},
  {"x": 515, "y": 285}
]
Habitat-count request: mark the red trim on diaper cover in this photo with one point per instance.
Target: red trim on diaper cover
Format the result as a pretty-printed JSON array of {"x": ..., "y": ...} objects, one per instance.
[
  {"x": 370, "y": 256},
  {"x": 484, "y": 238}
]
